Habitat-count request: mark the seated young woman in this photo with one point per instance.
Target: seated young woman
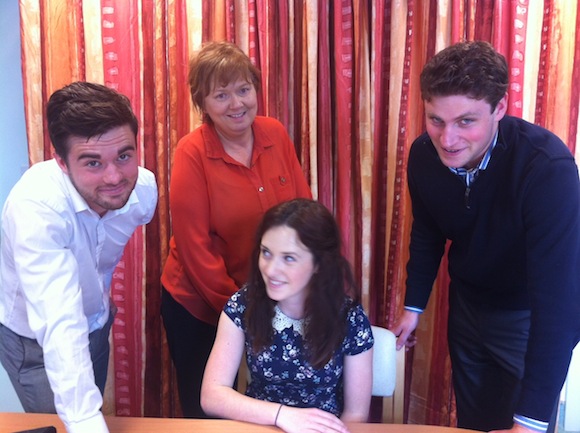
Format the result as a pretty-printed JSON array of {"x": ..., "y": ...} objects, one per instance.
[{"x": 306, "y": 338}]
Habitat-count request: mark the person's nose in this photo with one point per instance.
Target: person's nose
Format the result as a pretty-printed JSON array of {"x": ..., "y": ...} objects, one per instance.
[
  {"x": 271, "y": 267},
  {"x": 236, "y": 101},
  {"x": 112, "y": 175},
  {"x": 447, "y": 136}
]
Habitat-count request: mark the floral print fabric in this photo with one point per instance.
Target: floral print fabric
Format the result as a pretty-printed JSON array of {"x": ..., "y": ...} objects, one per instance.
[{"x": 281, "y": 373}]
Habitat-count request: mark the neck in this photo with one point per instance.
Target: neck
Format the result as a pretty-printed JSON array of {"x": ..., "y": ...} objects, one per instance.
[{"x": 295, "y": 312}]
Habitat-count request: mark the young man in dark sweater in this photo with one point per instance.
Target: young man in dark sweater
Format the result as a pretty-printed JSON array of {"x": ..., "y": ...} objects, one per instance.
[{"x": 506, "y": 194}]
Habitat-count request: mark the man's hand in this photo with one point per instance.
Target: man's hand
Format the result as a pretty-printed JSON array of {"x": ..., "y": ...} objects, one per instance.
[{"x": 404, "y": 327}]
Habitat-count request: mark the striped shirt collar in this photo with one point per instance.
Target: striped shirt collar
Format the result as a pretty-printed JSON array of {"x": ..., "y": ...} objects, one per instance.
[{"x": 469, "y": 175}]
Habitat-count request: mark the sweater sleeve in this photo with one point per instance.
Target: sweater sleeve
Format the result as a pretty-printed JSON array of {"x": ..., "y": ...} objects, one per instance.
[
  {"x": 427, "y": 242},
  {"x": 552, "y": 217}
]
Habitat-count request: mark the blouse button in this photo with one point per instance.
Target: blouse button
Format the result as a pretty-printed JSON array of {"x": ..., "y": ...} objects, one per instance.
[{"x": 261, "y": 189}]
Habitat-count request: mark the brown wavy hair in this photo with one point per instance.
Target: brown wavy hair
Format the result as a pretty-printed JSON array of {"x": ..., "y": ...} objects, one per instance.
[
  {"x": 326, "y": 307},
  {"x": 474, "y": 69}
]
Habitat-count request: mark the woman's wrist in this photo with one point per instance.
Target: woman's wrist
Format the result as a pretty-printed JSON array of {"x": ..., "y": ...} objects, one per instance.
[{"x": 278, "y": 414}]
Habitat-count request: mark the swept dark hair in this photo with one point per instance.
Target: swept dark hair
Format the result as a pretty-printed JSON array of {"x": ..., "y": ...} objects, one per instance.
[
  {"x": 326, "y": 307},
  {"x": 474, "y": 69},
  {"x": 84, "y": 109},
  {"x": 218, "y": 63}
]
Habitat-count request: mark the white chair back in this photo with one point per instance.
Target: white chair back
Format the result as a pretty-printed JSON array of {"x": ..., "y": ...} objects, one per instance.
[{"x": 388, "y": 374}]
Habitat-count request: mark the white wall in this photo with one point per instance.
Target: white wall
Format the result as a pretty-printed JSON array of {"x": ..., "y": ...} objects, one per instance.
[
  {"x": 572, "y": 394},
  {"x": 13, "y": 144}
]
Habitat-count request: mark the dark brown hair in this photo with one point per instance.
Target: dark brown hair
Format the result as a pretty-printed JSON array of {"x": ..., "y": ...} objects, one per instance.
[
  {"x": 474, "y": 69},
  {"x": 326, "y": 307},
  {"x": 88, "y": 110},
  {"x": 218, "y": 63}
]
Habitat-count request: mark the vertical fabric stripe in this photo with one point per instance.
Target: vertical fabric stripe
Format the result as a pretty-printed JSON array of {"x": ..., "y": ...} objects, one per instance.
[{"x": 122, "y": 71}]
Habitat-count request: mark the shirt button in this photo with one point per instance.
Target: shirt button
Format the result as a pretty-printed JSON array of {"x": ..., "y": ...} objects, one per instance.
[{"x": 261, "y": 189}]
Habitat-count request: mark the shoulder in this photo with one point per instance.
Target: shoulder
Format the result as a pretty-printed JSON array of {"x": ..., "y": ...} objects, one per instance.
[
  {"x": 146, "y": 179},
  {"x": 236, "y": 306},
  {"x": 525, "y": 137},
  {"x": 146, "y": 190},
  {"x": 359, "y": 335},
  {"x": 269, "y": 131},
  {"x": 422, "y": 151},
  {"x": 43, "y": 183},
  {"x": 201, "y": 140},
  {"x": 356, "y": 313},
  {"x": 237, "y": 302},
  {"x": 268, "y": 123}
]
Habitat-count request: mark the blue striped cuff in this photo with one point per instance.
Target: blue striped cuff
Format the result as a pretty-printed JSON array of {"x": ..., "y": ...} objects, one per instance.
[
  {"x": 414, "y": 309},
  {"x": 533, "y": 424}
]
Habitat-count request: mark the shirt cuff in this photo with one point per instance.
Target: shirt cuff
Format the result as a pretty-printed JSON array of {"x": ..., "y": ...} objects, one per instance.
[
  {"x": 95, "y": 424},
  {"x": 414, "y": 309},
  {"x": 532, "y": 424}
]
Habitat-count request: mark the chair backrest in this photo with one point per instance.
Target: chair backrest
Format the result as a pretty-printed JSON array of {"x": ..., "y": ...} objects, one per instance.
[{"x": 388, "y": 374}]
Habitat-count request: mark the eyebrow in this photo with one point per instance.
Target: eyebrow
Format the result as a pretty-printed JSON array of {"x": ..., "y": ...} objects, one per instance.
[
  {"x": 468, "y": 114},
  {"x": 89, "y": 155},
  {"x": 285, "y": 253}
]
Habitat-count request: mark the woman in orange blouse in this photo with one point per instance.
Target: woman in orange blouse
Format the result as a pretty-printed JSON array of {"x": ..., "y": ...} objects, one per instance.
[{"x": 226, "y": 174}]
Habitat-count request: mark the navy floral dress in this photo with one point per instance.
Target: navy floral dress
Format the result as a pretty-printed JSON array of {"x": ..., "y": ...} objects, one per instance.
[{"x": 281, "y": 372}]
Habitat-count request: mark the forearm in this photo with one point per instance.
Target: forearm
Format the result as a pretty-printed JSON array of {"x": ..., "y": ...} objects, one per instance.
[
  {"x": 355, "y": 415},
  {"x": 226, "y": 402},
  {"x": 69, "y": 368}
]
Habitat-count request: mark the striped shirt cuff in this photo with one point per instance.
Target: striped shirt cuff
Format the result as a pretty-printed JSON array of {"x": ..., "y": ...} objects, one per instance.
[
  {"x": 414, "y": 309},
  {"x": 532, "y": 424}
]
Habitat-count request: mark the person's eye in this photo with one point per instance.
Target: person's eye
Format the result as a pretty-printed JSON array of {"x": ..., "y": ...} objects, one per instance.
[
  {"x": 93, "y": 164},
  {"x": 289, "y": 259},
  {"x": 466, "y": 122},
  {"x": 436, "y": 121},
  {"x": 245, "y": 90},
  {"x": 220, "y": 96},
  {"x": 265, "y": 253},
  {"x": 125, "y": 157}
]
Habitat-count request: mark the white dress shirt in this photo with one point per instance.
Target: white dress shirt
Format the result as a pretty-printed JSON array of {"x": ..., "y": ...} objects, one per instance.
[{"x": 56, "y": 264}]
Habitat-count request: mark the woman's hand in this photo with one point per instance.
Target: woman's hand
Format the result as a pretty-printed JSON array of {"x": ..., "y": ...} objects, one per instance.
[{"x": 299, "y": 420}]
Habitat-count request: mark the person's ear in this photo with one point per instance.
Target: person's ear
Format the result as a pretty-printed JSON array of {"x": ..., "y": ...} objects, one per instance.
[
  {"x": 61, "y": 162},
  {"x": 501, "y": 108}
]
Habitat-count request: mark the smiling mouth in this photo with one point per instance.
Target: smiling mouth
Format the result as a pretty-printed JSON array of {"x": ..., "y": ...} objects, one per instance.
[
  {"x": 275, "y": 283},
  {"x": 452, "y": 151},
  {"x": 115, "y": 190},
  {"x": 238, "y": 115}
]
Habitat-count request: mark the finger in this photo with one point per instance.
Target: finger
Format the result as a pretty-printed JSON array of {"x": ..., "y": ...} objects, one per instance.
[
  {"x": 411, "y": 341},
  {"x": 402, "y": 340},
  {"x": 329, "y": 422}
]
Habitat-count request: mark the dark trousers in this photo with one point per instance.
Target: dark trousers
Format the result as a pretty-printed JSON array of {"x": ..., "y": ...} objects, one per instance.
[
  {"x": 487, "y": 349},
  {"x": 190, "y": 342}
]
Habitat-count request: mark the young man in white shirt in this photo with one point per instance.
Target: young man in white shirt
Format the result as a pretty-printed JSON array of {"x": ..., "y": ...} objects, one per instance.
[{"x": 65, "y": 225}]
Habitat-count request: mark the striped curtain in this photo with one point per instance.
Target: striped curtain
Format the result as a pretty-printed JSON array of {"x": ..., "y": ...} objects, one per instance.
[{"x": 342, "y": 76}]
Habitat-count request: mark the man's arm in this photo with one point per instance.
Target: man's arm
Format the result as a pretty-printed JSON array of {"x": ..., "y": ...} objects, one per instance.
[
  {"x": 49, "y": 277},
  {"x": 552, "y": 217}
]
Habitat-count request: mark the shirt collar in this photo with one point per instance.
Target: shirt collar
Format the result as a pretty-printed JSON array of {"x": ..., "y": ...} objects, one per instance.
[{"x": 470, "y": 174}]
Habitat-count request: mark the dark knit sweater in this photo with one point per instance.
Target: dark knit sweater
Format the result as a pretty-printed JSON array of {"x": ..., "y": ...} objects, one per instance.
[{"x": 515, "y": 244}]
